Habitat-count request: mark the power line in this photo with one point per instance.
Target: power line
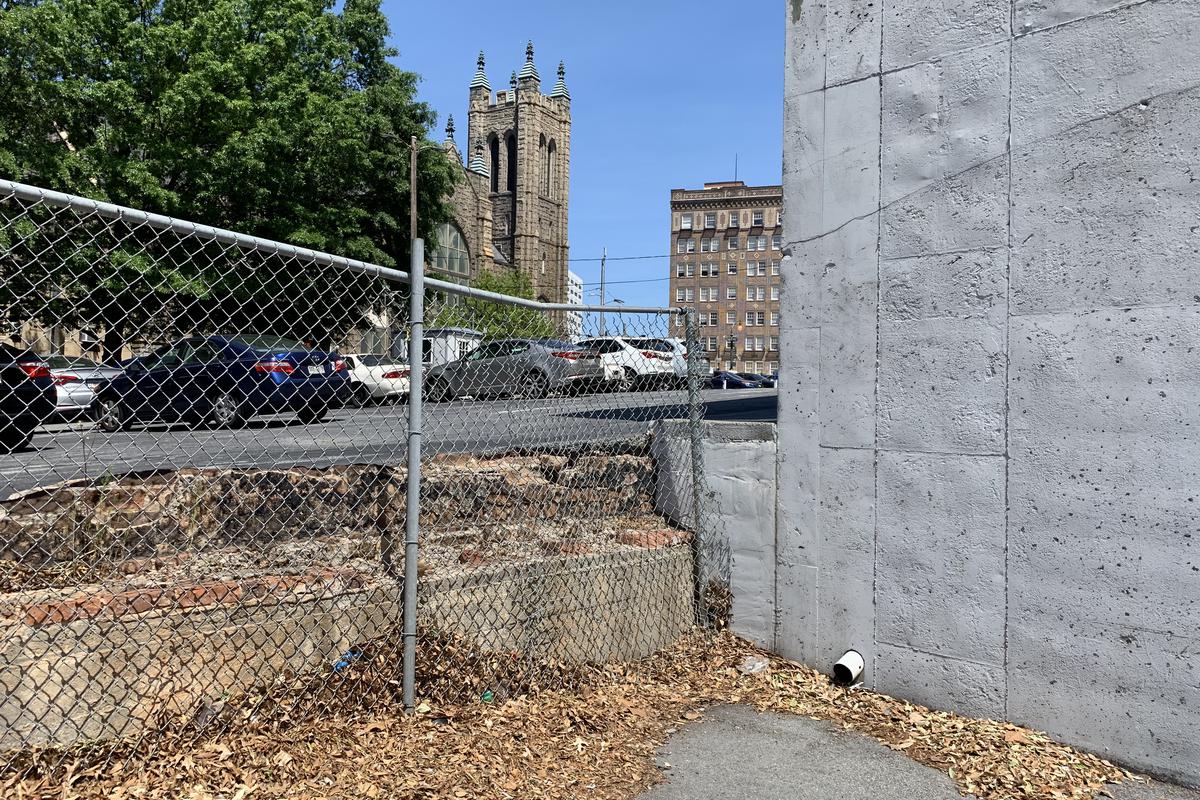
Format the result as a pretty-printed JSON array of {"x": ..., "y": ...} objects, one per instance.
[
  {"x": 643, "y": 280},
  {"x": 621, "y": 258}
]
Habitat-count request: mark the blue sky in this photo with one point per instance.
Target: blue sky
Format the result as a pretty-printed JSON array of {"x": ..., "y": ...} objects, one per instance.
[{"x": 664, "y": 94}]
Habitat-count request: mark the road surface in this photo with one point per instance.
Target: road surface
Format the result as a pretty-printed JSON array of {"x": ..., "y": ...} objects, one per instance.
[{"x": 374, "y": 435}]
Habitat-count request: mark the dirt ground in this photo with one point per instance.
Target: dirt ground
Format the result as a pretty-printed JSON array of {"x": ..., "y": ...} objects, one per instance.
[{"x": 597, "y": 739}]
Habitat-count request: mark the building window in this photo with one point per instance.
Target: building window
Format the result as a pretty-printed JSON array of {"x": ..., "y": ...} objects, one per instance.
[
  {"x": 732, "y": 269},
  {"x": 679, "y": 295},
  {"x": 731, "y": 293},
  {"x": 756, "y": 293},
  {"x": 775, "y": 266},
  {"x": 451, "y": 255},
  {"x": 772, "y": 367},
  {"x": 710, "y": 220},
  {"x": 733, "y": 219},
  {"x": 731, "y": 318},
  {"x": 691, "y": 245},
  {"x": 777, "y": 242},
  {"x": 733, "y": 242},
  {"x": 775, "y": 318},
  {"x": 494, "y": 152},
  {"x": 685, "y": 222},
  {"x": 774, "y": 292},
  {"x": 760, "y": 318},
  {"x": 511, "y": 170},
  {"x": 730, "y": 365},
  {"x": 757, "y": 219},
  {"x": 679, "y": 245},
  {"x": 689, "y": 295},
  {"x": 774, "y": 344},
  {"x": 749, "y": 322},
  {"x": 691, "y": 270},
  {"x": 679, "y": 270},
  {"x": 707, "y": 245},
  {"x": 551, "y": 167}
]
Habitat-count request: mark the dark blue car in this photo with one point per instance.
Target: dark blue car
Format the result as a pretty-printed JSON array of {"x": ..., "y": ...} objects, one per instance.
[
  {"x": 27, "y": 396},
  {"x": 223, "y": 381}
]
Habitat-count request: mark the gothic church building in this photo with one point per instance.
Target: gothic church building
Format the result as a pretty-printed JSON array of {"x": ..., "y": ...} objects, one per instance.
[{"x": 510, "y": 203}]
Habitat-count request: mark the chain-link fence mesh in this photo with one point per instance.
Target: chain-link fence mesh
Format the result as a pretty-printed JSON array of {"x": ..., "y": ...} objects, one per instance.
[{"x": 203, "y": 439}]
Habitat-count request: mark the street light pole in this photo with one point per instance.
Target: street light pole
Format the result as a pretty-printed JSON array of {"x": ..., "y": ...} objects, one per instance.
[{"x": 603, "y": 259}]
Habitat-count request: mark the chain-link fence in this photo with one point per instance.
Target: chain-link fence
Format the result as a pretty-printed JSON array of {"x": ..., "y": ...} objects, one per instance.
[{"x": 206, "y": 442}]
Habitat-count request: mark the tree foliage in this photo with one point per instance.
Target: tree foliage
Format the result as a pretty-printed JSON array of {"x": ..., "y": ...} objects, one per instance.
[
  {"x": 498, "y": 320},
  {"x": 280, "y": 118}
]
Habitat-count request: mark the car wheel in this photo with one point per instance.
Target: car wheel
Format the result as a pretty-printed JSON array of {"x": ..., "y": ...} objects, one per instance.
[
  {"x": 537, "y": 386},
  {"x": 111, "y": 415},
  {"x": 311, "y": 414},
  {"x": 15, "y": 435},
  {"x": 360, "y": 396},
  {"x": 629, "y": 379},
  {"x": 226, "y": 411},
  {"x": 438, "y": 391}
]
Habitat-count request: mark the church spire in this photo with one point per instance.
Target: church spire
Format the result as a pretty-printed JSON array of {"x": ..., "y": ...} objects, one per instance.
[
  {"x": 478, "y": 165},
  {"x": 560, "y": 88},
  {"x": 480, "y": 80},
  {"x": 529, "y": 71}
]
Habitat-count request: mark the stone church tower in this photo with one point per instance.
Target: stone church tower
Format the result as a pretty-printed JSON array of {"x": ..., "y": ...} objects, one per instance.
[{"x": 523, "y": 139}]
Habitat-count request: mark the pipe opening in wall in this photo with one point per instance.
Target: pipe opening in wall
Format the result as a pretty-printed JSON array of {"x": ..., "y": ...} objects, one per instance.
[{"x": 848, "y": 668}]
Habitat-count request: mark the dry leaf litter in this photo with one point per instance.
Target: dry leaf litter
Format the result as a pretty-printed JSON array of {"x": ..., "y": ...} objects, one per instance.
[{"x": 498, "y": 732}]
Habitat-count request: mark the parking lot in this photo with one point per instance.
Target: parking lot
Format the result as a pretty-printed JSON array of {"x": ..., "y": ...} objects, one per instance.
[{"x": 376, "y": 434}]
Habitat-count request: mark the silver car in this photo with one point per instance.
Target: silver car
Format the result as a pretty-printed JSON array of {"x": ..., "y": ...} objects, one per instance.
[
  {"x": 524, "y": 367},
  {"x": 76, "y": 379}
]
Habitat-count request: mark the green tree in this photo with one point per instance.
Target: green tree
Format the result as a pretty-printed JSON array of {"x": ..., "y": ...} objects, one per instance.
[
  {"x": 498, "y": 320},
  {"x": 280, "y": 118}
]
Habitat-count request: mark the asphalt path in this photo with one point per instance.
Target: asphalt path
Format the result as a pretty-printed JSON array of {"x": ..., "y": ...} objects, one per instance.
[{"x": 372, "y": 435}]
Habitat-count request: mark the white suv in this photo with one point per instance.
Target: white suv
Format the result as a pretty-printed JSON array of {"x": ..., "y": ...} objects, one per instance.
[{"x": 637, "y": 366}]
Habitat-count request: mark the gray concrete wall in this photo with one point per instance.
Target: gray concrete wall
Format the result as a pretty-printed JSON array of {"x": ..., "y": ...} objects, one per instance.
[
  {"x": 738, "y": 542},
  {"x": 988, "y": 458}
]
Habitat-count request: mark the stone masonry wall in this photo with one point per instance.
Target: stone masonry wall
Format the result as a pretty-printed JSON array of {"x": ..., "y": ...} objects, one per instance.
[{"x": 988, "y": 455}]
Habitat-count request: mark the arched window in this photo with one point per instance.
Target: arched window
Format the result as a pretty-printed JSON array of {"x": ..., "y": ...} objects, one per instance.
[
  {"x": 511, "y": 146},
  {"x": 451, "y": 255},
  {"x": 551, "y": 166},
  {"x": 494, "y": 152}
]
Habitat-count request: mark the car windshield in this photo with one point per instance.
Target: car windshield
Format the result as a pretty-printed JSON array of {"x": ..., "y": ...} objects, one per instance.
[
  {"x": 262, "y": 345},
  {"x": 558, "y": 344},
  {"x": 70, "y": 362}
]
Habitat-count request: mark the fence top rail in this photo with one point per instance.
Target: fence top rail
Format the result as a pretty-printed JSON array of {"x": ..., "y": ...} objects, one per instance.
[{"x": 35, "y": 194}]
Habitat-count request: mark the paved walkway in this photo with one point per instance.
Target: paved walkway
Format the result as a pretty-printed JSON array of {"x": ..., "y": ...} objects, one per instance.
[{"x": 736, "y": 752}]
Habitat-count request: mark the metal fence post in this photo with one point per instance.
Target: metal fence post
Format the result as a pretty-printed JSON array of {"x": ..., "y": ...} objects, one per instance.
[
  {"x": 695, "y": 439},
  {"x": 412, "y": 509}
]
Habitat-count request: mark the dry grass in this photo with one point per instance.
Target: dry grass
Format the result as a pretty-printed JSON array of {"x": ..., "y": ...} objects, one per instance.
[{"x": 596, "y": 741}]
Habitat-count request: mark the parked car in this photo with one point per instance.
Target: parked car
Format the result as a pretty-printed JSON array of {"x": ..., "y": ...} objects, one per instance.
[
  {"x": 375, "y": 378},
  {"x": 76, "y": 380},
  {"x": 731, "y": 380},
  {"x": 526, "y": 367},
  {"x": 640, "y": 366},
  {"x": 27, "y": 396},
  {"x": 676, "y": 349},
  {"x": 223, "y": 381},
  {"x": 765, "y": 381}
]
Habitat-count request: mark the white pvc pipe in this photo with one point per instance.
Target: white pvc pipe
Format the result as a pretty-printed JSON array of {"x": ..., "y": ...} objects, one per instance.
[{"x": 848, "y": 668}]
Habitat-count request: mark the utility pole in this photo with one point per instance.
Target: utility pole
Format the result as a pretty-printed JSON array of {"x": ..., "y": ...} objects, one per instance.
[{"x": 603, "y": 258}]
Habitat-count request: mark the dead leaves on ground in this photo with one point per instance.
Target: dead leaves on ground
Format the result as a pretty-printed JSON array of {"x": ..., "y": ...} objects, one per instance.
[{"x": 596, "y": 741}]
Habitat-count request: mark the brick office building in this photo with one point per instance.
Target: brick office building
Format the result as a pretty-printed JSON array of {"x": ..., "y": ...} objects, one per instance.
[{"x": 726, "y": 247}]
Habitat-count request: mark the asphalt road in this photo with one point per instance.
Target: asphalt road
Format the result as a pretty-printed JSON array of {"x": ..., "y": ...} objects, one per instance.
[{"x": 373, "y": 435}]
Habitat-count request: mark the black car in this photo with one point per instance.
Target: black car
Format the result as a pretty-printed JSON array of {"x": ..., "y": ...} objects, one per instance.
[
  {"x": 765, "y": 381},
  {"x": 731, "y": 380},
  {"x": 27, "y": 396}
]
